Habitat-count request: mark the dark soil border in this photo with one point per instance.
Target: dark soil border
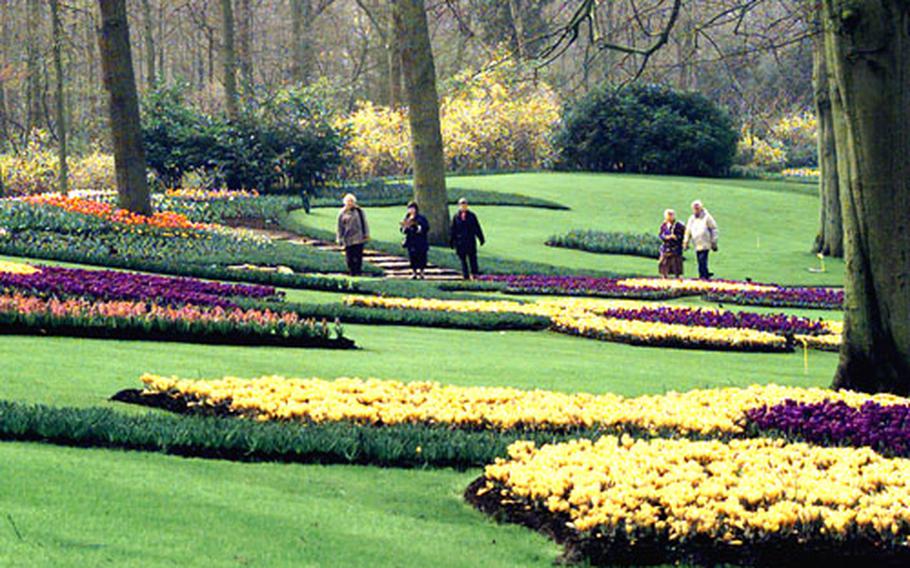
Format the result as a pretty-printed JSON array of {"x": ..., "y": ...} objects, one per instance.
[{"x": 600, "y": 549}]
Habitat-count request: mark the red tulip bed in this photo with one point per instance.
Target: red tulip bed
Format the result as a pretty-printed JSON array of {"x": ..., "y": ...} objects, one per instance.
[{"x": 123, "y": 305}]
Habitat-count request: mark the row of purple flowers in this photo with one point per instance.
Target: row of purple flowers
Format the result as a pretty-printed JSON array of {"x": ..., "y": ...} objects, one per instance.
[
  {"x": 884, "y": 428},
  {"x": 782, "y": 324},
  {"x": 775, "y": 295},
  {"x": 113, "y": 285}
]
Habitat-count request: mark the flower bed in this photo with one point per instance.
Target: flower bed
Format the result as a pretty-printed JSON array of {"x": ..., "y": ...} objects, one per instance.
[
  {"x": 759, "y": 501},
  {"x": 107, "y": 212},
  {"x": 884, "y": 428},
  {"x": 108, "y": 285},
  {"x": 642, "y": 324},
  {"x": 382, "y": 403},
  {"x": 148, "y": 320},
  {"x": 746, "y": 293}
]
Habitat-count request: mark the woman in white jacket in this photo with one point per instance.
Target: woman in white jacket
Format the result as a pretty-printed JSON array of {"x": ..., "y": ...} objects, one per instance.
[{"x": 701, "y": 230}]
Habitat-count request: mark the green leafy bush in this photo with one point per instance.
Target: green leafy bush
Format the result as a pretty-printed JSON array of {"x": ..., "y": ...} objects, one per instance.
[
  {"x": 647, "y": 129},
  {"x": 285, "y": 140},
  {"x": 604, "y": 242}
]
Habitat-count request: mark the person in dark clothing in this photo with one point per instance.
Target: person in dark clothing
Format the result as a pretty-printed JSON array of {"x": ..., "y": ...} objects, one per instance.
[
  {"x": 671, "y": 234},
  {"x": 463, "y": 237},
  {"x": 416, "y": 228}
]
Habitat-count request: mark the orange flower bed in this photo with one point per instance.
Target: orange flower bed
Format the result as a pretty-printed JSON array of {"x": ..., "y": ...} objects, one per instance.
[{"x": 161, "y": 220}]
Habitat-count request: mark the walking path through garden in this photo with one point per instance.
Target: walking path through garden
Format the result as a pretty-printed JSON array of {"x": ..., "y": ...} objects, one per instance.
[{"x": 392, "y": 266}]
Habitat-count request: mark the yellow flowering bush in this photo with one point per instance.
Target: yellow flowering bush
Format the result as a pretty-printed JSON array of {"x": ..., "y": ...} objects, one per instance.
[
  {"x": 383, "y": 402},
  {"x": 491, "y": 119},
  {"x": 678, "y": 493},
  {"x": 35, "y": 169}
]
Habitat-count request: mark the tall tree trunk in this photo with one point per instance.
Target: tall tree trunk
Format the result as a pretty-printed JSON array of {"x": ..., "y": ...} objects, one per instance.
[
  {"x": 301, "y": 16},
  {"x": 245, "y": 48},
  {"x": 830, "y": 238},
  {"x": 148, "y": 27},
  {"x": 123, "y": 104},
  {"x": 4, "y": 118},
  {"x": 518, "y": 28},
  {"x": 394, "y": 57},
  {"x": 423, "y": 107},
  {"x": 229, "y": 59},
  {"x": 59, "y": 102},
  {"x": 869, "y": 59},
  {"x": 33, "y": 67}
]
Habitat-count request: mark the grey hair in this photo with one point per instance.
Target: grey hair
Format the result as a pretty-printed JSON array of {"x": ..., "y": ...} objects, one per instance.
[
  {"x": 668, "y": 212},
  {"x": 349, "y": 197},
  {"x": 462, "y": 201},
  {"x": 698, "y": 203}
]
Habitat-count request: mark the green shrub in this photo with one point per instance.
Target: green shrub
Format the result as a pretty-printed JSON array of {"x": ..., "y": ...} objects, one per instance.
[
  {"x": 647, "y": 129},
  {"x": 603, "y": 242},
  {"x": 284, "y": 140}
]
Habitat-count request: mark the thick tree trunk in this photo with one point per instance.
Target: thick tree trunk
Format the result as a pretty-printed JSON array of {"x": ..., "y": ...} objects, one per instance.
[
  {"x": 123, "y": 104},
  {"x": 33, "y": 92},
  {"x": 830, "y": 238},
  {"x": 245, "y": 46},
  {"x": 301, "y": 16},
  {"x": 423, "y": 106},
  {"x": 229, "y": 59},
  {"x": 394, "y": 58},
  {"x": 59, "y": 99},
  {"x": 148, "y": 27},
  {"x": 869, "y": 59}
]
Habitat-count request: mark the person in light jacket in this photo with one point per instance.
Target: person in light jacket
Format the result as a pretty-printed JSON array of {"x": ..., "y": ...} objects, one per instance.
[
  {"x": 463, "y": 237},
  {"x": 701, "y": 231},
  {"x": 416, "y": 229},
  {"x": 352, "y": 233}
]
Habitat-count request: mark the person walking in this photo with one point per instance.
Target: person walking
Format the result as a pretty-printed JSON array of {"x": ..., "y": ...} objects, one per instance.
[
  {"x": 671, "y": 234},
  {"x": 352, "y": 233},
  {"x": 416, "y": 227},
  {"x": 701, "y": 230},
  {"x": 463, "y": 237}
]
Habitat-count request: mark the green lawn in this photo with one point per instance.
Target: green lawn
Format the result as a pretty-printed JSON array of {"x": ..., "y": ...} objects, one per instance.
[
  {"x": 77, "y": 507},
  {"x": 766, "y": 228}
]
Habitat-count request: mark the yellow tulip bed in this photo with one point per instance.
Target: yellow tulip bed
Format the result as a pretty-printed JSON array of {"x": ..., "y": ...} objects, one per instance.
[
  {"x": 378, "y": 402},
  {"x": 599, "y": 319},
  {"x": 17, "y": 268},
  {"x": 749, "y": 500}
]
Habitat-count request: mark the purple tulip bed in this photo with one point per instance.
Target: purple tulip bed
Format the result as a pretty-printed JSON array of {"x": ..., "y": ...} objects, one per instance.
[
  {"x": 780, "y": 296},
  {"x": 107, "y": 285},
  {"x": 885, "y": 429},
  {"x": 781, "y": 324}
]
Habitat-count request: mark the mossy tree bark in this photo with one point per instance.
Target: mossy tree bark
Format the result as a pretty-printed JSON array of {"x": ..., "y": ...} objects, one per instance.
[
  {"x": 830, "y": 238},
  {"x": 59, "y": 100},
  {"x": 423, "y": 112},
  {"x": 869, "y": 59},
  {"x": 229, "y": 59},
  {"x": 123, "y": 107}
]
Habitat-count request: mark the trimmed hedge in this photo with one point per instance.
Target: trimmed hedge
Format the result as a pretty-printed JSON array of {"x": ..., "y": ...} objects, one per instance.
[
  {"x": 247, "y": 440},
  {"x": 608, "y": 242}
]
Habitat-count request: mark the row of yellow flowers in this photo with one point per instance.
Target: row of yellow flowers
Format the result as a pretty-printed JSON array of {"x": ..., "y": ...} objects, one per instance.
[
  {"x": 735, "y": 492},
  {"x": 384, "y": 402},
  {"x": 584, "y": 317}
]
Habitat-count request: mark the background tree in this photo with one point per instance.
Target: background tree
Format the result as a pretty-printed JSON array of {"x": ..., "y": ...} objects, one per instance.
[
  {"x": 423, "y": 106},
  {"x": 59, "y": 102},
  {"x": 830, "y": 239},
  {"x": 229, "y": 60},
  {"x": 123, "y": 107}
]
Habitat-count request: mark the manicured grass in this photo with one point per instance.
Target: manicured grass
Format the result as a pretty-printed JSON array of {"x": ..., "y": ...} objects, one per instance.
[
  {"x": 766, "y": 227},
  {"x": 76, "y": 507}
]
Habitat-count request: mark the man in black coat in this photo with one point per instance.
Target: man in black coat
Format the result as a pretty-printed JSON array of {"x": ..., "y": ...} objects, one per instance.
[{"x": 463, "y": 238}]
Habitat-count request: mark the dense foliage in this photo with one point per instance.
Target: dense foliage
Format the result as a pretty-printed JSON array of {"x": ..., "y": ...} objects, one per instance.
[
  {"x": 281, "y": 142},
  {"x": 647, "y": 129},
  {"x": 608, "y": 242}
]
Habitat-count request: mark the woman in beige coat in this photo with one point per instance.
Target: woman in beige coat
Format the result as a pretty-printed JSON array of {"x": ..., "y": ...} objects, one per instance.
[{"x": 352, "y": 233}]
